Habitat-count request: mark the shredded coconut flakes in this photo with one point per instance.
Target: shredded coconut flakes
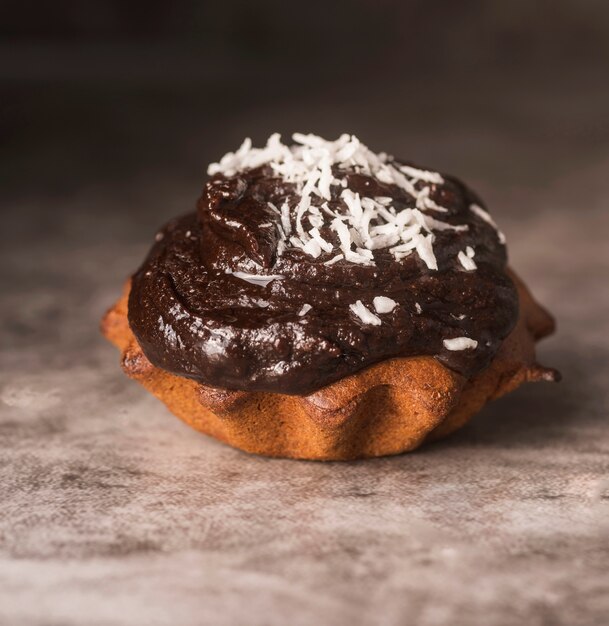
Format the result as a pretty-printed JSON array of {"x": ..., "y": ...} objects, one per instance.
[
  {"x": 365, "y": 314},
  {"x": 369, "y": 223},
  {"x": 262, "y": 280},
  {"x": 460, "y": 343},
  {"x": 382, "y": 304},
  {"x": 305, "y": 309},
  {"x": 467, "y": 259}
]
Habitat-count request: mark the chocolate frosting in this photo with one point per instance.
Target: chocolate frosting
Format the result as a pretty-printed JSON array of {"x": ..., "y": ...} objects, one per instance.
[{"x": 194, "y": 315}]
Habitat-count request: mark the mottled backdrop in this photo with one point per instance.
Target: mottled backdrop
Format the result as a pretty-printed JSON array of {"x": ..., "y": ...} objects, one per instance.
[{"x": 114, "y": 513}]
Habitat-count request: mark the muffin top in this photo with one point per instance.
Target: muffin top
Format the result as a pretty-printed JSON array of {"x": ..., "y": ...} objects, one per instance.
[{"x": 305, "y": 263}]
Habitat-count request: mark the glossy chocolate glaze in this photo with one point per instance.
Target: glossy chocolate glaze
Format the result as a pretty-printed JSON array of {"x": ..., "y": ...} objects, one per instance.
[{"x": 194, "y": 319}]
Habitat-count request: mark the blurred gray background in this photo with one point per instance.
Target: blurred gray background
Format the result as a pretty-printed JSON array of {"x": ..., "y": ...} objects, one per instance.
[
  {"x": 112, "y": 512},
  {"x": 106, "y": 93}
]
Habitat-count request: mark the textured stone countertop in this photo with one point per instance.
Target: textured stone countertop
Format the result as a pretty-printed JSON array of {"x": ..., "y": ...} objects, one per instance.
[{"x": 112, "y": 512}]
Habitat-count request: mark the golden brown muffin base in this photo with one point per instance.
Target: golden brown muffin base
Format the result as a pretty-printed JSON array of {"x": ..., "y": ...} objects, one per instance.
[{"x": 388, "y": 408}]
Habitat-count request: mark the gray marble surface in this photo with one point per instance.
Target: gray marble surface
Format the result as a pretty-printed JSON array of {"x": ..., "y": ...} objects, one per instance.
[{"x": 114, "y": 513}]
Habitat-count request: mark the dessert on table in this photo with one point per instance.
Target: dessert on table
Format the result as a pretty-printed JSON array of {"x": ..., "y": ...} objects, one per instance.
[{"x": 328, "y": 302}]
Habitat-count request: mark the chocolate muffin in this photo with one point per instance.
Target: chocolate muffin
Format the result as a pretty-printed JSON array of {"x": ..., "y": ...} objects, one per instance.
[{"x": 328, "y": 302}]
